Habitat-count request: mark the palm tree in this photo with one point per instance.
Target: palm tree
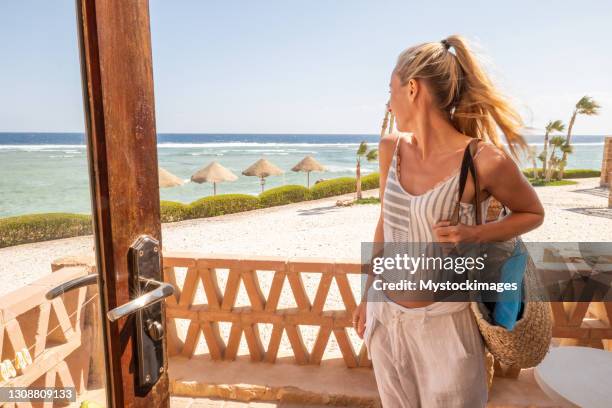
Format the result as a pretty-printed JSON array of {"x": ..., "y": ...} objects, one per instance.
[
  {"x": 370, "y": 155},
  {"x": 585, "y": 106},
  {"x": 554, "y": 162},
  {"x": 551, "y": 126},
  {"x": 531, "y": 155}
]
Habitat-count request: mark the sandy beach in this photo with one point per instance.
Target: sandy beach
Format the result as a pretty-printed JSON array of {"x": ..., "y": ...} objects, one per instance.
[{"x": 315, "y": 228}]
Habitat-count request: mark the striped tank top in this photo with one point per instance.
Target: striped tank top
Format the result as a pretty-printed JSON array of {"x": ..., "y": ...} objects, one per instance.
[{"x": 410, "y": 218}]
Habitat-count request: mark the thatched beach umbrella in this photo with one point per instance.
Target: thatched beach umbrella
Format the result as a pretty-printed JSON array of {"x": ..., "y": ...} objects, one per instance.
[
  {"x": 167, "y": 179},
  {"x": 213, "y": 173},
  {"x": 262, "y": 168},
  {"x": 308, "y": 164}
]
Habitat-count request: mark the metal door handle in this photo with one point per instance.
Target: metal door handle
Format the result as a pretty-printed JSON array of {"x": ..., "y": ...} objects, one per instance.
[
  {"x": 161, "y": 291},
  {"x": 71, "y": 284},
  {"x": 145, "y": 275}
]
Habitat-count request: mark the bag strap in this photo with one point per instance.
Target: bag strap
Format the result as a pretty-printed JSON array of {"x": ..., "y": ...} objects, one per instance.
[{"x": 467, "y": 165}]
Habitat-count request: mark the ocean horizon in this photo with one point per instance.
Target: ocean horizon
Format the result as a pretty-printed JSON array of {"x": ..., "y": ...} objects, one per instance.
[{"x": 48, "y": 172}]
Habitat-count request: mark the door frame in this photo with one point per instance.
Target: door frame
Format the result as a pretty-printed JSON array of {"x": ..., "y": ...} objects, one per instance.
[{"x": 117, "y": 74}]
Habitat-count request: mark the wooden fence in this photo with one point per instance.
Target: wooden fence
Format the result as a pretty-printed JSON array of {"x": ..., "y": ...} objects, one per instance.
[
  {"x": 606, "y": 164},
  {"x": 581, "y": 323},
  {"x": 221, "y": 306},
  {"x": 54, "y": 334}
]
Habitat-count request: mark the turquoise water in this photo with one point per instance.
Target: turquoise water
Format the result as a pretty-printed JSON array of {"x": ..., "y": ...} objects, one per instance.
[{"x": 48, "y": 172}]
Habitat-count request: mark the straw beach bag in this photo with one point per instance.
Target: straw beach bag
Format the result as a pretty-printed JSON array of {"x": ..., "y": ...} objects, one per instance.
[{"x": 526, "y": 344}]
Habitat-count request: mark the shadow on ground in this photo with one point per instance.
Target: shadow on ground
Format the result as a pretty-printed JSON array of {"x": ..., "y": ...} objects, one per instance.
[
  {"x": 596, "y": 191},
  {"x": 318, "y": 210},
  {"x": 594, "y": 212}
]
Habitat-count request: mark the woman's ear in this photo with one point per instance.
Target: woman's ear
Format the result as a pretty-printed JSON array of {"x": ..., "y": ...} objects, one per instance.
[{"x": 413, "y": 89}]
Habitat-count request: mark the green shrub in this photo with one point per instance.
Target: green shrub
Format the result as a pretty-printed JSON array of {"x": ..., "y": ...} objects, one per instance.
[
  {"x": 580, "y": 173},
  {"x": 333, "y": 187},
  {"x": 368, "y": 200},
  {"x": 284, "y": 195},
  {"x": 568, "y": 173},
  {"x": 171, "y": 211},
  {"x": 222, "y": 204},
  {"x": 42, "y": 227},
  {"x": 370, "y": 181},
  {"x": 552, "y": 183}
]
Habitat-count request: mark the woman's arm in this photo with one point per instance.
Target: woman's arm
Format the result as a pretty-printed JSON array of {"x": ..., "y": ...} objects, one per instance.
[
  {"x": 501, "y": 177},
  {"x": 386, "y": 147}
]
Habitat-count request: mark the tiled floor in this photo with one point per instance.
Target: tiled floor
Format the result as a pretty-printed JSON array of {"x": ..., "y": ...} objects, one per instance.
[
  {"x": 98, "y": 396},
  {"x": 184, "y": 402}
]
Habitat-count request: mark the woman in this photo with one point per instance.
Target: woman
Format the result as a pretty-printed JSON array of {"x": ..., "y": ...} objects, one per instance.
[{"x": 425, "y": 353}]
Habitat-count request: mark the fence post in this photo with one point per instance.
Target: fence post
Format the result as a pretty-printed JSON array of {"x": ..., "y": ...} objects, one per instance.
[
  {"x": 610, "y": 189},
  {"x": 606, "y": 163}
]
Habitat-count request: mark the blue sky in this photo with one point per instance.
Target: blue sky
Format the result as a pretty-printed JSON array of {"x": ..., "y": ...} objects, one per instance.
[{"x": 307, "y": 66}]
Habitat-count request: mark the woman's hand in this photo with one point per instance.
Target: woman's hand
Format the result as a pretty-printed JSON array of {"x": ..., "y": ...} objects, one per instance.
[
  {"x": 445, "y": 232},
  {"x": 359, "y": 318}
]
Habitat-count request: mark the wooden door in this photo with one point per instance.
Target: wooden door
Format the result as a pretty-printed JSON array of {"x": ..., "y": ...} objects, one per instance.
[{"x": 115, "y": 46}]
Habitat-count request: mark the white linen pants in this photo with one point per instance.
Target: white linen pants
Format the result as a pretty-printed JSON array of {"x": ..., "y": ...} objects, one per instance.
[{"x": 427, "y": 357}]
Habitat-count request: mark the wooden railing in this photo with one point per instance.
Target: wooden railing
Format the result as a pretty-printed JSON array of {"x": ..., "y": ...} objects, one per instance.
[
  {"x": 605, "y": 179},
  {"x": 581, "y": 323},
  {"x": 54, "y": 334},
  {"x": 220, "y": 306}
]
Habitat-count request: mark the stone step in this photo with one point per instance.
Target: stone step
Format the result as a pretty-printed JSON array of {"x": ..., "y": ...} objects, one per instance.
[{"x": 331, "y": 384}]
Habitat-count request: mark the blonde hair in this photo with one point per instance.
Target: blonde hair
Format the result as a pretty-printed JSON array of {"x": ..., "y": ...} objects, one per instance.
[{"x": 463, "y": 90}]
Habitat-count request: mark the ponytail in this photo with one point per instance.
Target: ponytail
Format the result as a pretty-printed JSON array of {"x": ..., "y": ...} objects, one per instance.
[{"x": 463, "y": 90}]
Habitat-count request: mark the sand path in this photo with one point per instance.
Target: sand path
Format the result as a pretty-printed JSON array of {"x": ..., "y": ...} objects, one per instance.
[{"x": 315, "y": 228}]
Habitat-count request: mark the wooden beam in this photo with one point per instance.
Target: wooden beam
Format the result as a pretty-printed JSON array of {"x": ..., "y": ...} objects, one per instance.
[{"x": 116, "y": 61}]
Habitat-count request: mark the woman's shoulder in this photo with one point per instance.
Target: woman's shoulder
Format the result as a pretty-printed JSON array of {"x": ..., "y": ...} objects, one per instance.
[
  {"x": 487, "y": 151},
  {"x": 389, "y": 141},
  {"x": 386, "y": 146},
  {"x": 492, "y": 159}
]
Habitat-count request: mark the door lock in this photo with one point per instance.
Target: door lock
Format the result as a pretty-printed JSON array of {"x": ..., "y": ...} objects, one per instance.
[
  {"x": 155, "y": 329},
  {"x": 148, "y": 292},
  {"x": 146, "y": 274}
]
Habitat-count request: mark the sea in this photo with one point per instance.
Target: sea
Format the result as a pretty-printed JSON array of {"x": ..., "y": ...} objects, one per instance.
[{"x": 48, "y": 172}]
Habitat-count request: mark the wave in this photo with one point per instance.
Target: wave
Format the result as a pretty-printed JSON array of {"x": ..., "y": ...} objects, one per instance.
[
  {"x": 251, "y": 144},
  {"x": 339, "y": 169},
  {"x": 206, "y": 154},
  {"x": 235, "y": 145},
  {"x": 47, "y": 147},
  {"x": 251, "y": 147},
  {"x": 573, "y": 144}
]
